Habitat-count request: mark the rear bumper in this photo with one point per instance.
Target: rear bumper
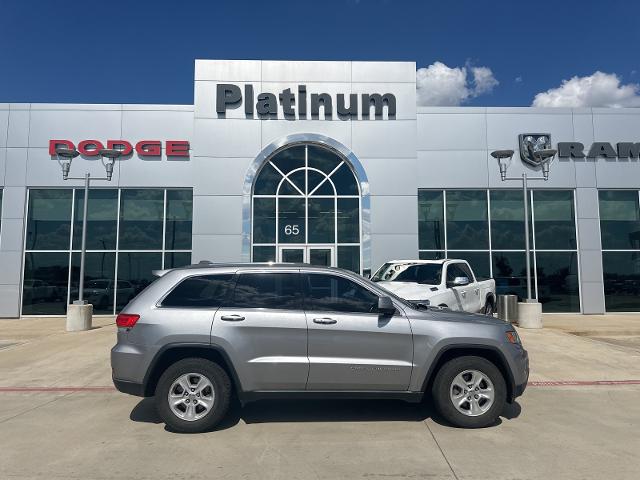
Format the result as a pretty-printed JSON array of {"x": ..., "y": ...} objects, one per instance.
[{"x": 128, "y": 387}]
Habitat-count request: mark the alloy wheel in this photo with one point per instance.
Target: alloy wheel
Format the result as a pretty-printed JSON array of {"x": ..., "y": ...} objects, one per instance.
[
  {"x": 472, "y": 393},
  {"x": 191, "y": 396}
]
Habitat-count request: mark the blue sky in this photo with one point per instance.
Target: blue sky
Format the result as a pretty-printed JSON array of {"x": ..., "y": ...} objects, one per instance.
[{"x": 143, "y": 51}]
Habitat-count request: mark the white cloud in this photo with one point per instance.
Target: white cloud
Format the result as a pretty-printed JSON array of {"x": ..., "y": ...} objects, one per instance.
[
  {"x": 597, "y": 90},
  {"x": 440, "y": 85},
  {"x": 518, "y": 79}
]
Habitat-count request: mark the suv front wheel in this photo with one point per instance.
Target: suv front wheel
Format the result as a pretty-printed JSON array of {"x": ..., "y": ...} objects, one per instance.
[
  {"x": 469, "y": 392},
  {"x": 193, "y": 395}
]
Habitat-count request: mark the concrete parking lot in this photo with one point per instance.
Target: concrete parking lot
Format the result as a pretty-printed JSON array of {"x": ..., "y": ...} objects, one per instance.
[{"x": 579, "y": 419}]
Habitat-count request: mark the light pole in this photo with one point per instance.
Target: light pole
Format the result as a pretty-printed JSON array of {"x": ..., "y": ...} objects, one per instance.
[
  {"x": 79, "y": 315},
  {"x": 543, "y": 157}
]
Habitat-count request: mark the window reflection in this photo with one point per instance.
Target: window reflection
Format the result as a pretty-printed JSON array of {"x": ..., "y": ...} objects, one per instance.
[
  {"x": 141, "y": 219},
  {"x": 49, "y": 220},
  {"x": 44, "y": 289},
  {"x": 554, "y": 220},
  {"x": 134, "y": 274},
  {"x": 99, "y": 280},
  {"x": 621, "y": 281},
  {"x": 558, "y": 281},
  {"x": 619, "y": 219},
  {"x": 430, "y": 220},
  {"x": 178, "y": 222},
  {"x": 467, "y": 220},
  {"x": 101, "y": 219}
]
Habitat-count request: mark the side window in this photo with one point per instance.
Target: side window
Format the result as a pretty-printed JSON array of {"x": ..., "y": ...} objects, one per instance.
[
  {"x": 467, "y": 272},
  {"x": 453, "y": 271},
  {"x": 268, "y": 290},
  {"x": 201, "y": 291},
  {"x": 336, "y": 294}
]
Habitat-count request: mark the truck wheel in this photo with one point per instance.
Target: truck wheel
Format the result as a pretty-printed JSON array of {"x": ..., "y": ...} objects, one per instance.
[
  {"x": 489, "y": 308},
  {"x": 193, "y": 395},
  {"x": 469, "y": 392}
]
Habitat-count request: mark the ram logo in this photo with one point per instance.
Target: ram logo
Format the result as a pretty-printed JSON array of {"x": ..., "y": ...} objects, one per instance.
[{"x": 530, "y": 143}]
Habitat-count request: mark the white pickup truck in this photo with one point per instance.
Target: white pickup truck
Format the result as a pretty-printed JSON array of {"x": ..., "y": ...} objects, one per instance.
[{"x": 444, "y": 283}]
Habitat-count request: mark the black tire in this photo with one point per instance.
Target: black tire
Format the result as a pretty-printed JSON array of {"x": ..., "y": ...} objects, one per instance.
[
  {"x": 443, "y": 383},
  {"x": 489, "y": 307},
  {"x": 221, "y": 394}
]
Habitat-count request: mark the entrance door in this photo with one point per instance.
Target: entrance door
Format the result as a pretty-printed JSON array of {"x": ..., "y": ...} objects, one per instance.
[{"x": 323, "y": 255}]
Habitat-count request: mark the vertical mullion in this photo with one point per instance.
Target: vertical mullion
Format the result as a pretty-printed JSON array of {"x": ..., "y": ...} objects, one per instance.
[
  {"x": 444, "y": 221},
  {"x": 164, "y": 227},
  {"x": 533, "y": 243},
  {"x": 115, "y": 274},
  {"x": 69, "y": 276},
  {"x": 489, "y": 225}
]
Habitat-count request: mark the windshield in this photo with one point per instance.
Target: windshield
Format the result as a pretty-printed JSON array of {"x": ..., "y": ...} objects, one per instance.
[
  {"x": 429, "y": 273},
  {"x": 388, "y": 271}
]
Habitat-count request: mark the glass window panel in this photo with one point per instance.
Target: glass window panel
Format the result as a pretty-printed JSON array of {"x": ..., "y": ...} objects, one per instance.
[
  {"x": 299, "y": 180},
  {"x": 291, "y": 220},
  {"x": 325, "y": 188},
  {"x": 268, "y": 290},
  {"x": 99, "y": 280},
  {"x": 467, "y": 226},
  {"x": 49, "y": 220},
  {"x": 479, "y": 262},
  {"x": 102, "y": 217},
  {"x": 177, "y": 259},
  {"x": 555, "y": 221},
  {"x": 430, "y": 219},
  {"x": 179, "y": 218},
  {"x": 345, "y": 181},
  {"x": 621, "y": 281},
  {"x": 320, "y": 256},
  {"x": 134, "y": 274},
  {"x": 558, "y": 289},
  {"x": 431, "y": 255},
  {"x": 203, "y": 291},
  {"x": 267, "y": 181},
  {"x": 286, "y": 188},
  {"x": 321, "y": 220},
  {"x": 348, "y": 220},
  {"x": 264, "y": 254},
  {"x": 323, "y": 159},
  {"x": 619, "y": 219},
  {"x": 292, "y": 255},
  {"x": 141, "y": 214},
  {"x": 44, "y": 290},
  {"x": 510, "y": 274},
  {"x": 314, "y": 180},
  {"x": 349, "y": 258},
  {"x": 264, "y": 220},
  {"x": 507, "y": 219},
  {"x": 289, "y": 159},
  {"x": 330, "y": 293}
]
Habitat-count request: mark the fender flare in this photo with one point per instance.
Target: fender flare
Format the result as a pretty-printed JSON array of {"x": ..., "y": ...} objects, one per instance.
[
  {"x": 504, "y": 367},
  {"x": 152, "y": 375}
]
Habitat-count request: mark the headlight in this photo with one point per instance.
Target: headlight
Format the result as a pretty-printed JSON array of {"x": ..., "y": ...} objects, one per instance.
[{"x": 513, "y": 337}]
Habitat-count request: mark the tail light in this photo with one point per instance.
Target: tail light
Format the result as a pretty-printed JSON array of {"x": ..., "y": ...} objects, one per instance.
[{"x": 126, "y": 320}]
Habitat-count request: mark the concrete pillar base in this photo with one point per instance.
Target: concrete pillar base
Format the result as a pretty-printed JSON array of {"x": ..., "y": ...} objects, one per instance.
[
  {"x": 79, "y": 317},
  {"x": 530, "y": 315}
]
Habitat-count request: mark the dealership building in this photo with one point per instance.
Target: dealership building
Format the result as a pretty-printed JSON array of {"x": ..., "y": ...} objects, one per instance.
[{"x": 321, "y": 162}]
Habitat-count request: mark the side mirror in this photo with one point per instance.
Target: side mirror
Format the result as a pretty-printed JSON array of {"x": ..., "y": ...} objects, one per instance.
[
  {"x": 385, "y": 306},
  {"x": 459, "y": 282}
]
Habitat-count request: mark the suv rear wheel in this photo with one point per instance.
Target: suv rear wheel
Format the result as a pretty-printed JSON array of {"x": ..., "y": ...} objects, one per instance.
[
  {"x": 469, "y": 392},
  {"x": 193, "y": 395}
]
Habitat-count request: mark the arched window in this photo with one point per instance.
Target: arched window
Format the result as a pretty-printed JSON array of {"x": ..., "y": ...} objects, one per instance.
[{"x": 306, "y": 208}]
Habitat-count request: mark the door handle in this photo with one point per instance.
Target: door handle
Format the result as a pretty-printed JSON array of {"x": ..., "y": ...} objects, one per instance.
[
  {"x": 325, "y": 321},
  {"x": 232, "y": 318}
]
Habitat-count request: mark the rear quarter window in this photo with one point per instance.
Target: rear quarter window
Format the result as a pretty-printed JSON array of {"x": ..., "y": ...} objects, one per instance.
[{"x": 203, "y": 291}]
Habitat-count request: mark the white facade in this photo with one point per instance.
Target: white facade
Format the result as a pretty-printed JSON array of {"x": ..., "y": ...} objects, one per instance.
[{"x": 420, "y": 148}]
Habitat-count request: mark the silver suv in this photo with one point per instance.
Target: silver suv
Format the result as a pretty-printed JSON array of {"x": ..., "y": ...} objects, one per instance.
[{"x": 200, "y": 334}]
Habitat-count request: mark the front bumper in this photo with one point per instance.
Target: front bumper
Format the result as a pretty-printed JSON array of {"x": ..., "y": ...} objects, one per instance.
[{"x": 521, "y": 383}]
